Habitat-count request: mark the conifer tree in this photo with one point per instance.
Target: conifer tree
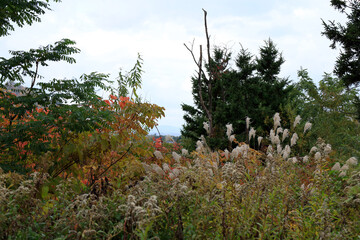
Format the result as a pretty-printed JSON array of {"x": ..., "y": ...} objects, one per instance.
[{"x": 347, "y": 66}]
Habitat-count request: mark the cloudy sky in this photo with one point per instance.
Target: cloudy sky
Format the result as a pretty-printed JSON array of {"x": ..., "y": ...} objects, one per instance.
[{"x": 110, "y": 34}]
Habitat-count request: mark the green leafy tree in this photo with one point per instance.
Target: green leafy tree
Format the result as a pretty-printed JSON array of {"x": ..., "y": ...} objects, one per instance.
[
  {"x": 60, "y": 107},
  {"x": 330, "y": 107},
  {"x": 20, "y": 12}
]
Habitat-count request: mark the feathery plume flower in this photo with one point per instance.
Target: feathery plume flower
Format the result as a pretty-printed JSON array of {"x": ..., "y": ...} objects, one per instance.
[
  {"x": 306, "y": 159},
  {"x": 226, "y": 154},
  {"x": 294, "y": 160},
  {"x": 158, "y": 155},
  {"x": 229, "y": 130},
  {"x": 158, "y": 169},
  {"x": 176, "y": 172},
  {"x": 344, "y": 167},
  {"x": 336, "y": 167},
  {"x": 285, "y": 134},
  {"x": 313, "y": 149},
  {"x": 176, "y": 156},
  {"x": 286, "y": 152},
  {"x": 317, "y": 156},
  {"x": 327, "y": 149},
  {"x": 166, "y": 167},
  {"x": 297, "y": 120},
  {"x": 184, "y": 152},
  {"x": 207, "y": 127},
  {"x": 307, "y": 126},
  {"x": 232, "y": 138},
  {"x": 279, "y": 149},
  {"x": 270, "y": 156},
  {"x": 247, "y": 122},
  {"x": 342, "y": 174},
  {"x": 277, "y": 120},
  {"x": 352, "y": 161},
  {"x": 279, "y": 130},
  {"x": 276, "y": 140},
  {"x": 259, "y": 140},
  {"x": 252, "y": 133},
  {"x": 169, "y": 138},
  {"x": 235, "y": 152},
  {"x": 269, "y": 149},
  {"x": 293, "y": 140},
  {"x": 199, "y": 146}
]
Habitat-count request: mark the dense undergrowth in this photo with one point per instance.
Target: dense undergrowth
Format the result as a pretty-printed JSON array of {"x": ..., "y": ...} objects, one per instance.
[{"x": 240, "y": 194}]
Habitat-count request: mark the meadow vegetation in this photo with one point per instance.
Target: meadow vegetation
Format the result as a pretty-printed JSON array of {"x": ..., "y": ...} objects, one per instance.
[{"x": 76, "y": 166}]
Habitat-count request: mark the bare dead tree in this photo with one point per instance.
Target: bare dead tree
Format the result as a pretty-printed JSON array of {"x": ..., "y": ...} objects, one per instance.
[{"x": 203, "y": 78}]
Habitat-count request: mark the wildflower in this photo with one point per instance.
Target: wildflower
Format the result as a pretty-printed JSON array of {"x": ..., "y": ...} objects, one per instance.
[
  {"x": 229, "y": 130},
  {"x": 277, "y": 120},
  {"x": 293, "y": 140},
  {"x": 207, "y": 127},
  {"x": 336, "y": 167},
  {"x": 305, "y": 159},
  {"x": 252, "y": 133},
  {"x": 297, "y": 120},
  {"x": 176, "y": 156},
  {"x": 259, "y": 140},
  {"x": 352, "y": 161},
  {"x": 307, "y": 126},
  {"x": 158, "y": 155},
  {"x": 317, "y": 156},
  {"x": 285, "y": 134},
  {"x": 247, "y": 122},
  {"x": 184, "y": 152},
  {"x": 269, "y": 149},
  {"x": 279, "y": 130}
]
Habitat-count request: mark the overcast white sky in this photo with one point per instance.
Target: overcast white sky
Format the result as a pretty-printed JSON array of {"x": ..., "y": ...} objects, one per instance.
[{"x": 110, "y": 34}]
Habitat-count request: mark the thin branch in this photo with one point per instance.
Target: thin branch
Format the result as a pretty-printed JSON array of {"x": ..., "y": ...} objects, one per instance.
[
  {"x": 207, "y": 37},
  {"x": 199, "y": 85},
  {"x": 198, "y": 64},
  {"x": 112, "y": 164},
  {"x": 35, "y": 76}
]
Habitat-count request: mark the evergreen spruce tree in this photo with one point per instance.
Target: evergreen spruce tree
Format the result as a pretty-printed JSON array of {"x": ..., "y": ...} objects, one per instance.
[
  {"x": 253, "y": 89},
  {"x": 347, "y": 66}
]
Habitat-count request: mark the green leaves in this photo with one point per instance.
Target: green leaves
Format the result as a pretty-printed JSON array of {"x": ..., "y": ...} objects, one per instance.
[
  {"x": 20, "y": 12},
  {"x": 132, "y": 80},
  {"x": 26, "y": 63}
]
